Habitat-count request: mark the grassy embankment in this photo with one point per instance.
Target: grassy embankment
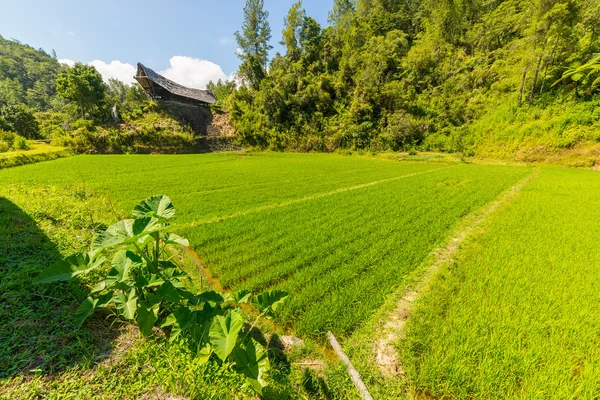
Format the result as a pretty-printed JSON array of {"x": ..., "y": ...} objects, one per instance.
[{"x": 38, "y": 151}]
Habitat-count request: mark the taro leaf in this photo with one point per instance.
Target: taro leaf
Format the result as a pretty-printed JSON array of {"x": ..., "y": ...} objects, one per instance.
[
  {"x": 98, "y": 287},
  {"x": 114, "y": 234},
  {"x": 211, "y": 296},
  {"x": 168, "y": 292},
  {"x": 123, "y": 262},
  {"x": 159, "y": 206},
  {"x": 84, "y": 311},
  {"x": 242, "y": 296},
  {"x": 200, "y": 332},
  {"x": 71, "y": 266},
  {"x": 146, "y": 318},
  {"x": 182, "y": 320},
  {"x": 124, "y": 232},
  {"x": 171, "y": 238},
  {"x": 144, "y": 226},
  {"x": 252, "y": 361},
  {"x": 268, "y": 302},
  {"x": 104, "y": 300},
  {"x": 204, "y": 354},
  {"x": 126, "y": 304},
  {"x": 224, "y": 332},
  {"x": 170, "y": 320}
]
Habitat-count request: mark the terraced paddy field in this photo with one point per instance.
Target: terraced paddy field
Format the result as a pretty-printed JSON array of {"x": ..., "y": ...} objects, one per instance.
[
  {"x": 513, "y": 313},
  {"x": 339, "y": 233}
]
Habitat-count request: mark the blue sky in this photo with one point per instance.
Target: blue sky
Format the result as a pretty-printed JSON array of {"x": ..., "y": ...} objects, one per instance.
[{"x": 151, "y": 31}]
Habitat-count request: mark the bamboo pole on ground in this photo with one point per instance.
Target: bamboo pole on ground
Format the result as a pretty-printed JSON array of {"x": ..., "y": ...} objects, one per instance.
[{"x": 354, "y": 375}]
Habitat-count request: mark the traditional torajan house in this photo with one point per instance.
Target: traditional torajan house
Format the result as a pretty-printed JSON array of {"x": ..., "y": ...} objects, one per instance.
[{"x": 190, "y": 105}]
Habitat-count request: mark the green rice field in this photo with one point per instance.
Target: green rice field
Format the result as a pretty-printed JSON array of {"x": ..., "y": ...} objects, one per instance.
[
  {"x": 338, "y": 233},
  {"x": 514, "y": 316},
  {"x": 517, "y": 315}
]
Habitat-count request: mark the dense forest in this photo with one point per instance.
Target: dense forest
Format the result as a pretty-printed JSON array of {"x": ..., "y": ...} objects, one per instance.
[
  {"x": 492, "y": 77},
  {"x": 512, "y": 79}
]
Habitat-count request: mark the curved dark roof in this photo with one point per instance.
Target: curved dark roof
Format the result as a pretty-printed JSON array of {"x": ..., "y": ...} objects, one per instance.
[{"x": 145, "y": 76}]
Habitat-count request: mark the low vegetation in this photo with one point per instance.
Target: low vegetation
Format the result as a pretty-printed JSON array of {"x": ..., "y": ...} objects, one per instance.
[
  {"x": 43, "y": 354},
  {"x": 303, "y": 227},
  {"x": 516, "y": 315}
]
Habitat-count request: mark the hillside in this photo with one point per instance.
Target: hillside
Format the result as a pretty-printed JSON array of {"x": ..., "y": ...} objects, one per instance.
[
  {"x": 477, "y": 77},
  {"x": 27, "y": 76}
]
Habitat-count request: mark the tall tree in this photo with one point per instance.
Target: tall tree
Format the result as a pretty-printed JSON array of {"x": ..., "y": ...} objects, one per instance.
[
  {"x": 253, "y": 43},
  {"x": 291, "y": 31},
  {"x": 341, "y": 15},
  {"x": 81, "y": 84}
]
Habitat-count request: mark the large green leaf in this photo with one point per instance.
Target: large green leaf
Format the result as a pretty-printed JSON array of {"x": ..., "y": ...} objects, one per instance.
[
  {"x": 147, "y": 315},
  {"x": 168, "y": 292},
  {"x": 126, "y": 231},
  {"x": 123, "y": 262},
  {"x": 268, "y": 302},
  {"x": 182, "y": 320},
  {"x": 126, "y": 304},
  {"x": 84, "y": 311},
  {"x": 159, "y": 206},
  {"x": 171, "y": 238},
  {"x": 252, "y": 361},
  {"x": 71, "y": 266},
  {"x": 224, "y": 332}
]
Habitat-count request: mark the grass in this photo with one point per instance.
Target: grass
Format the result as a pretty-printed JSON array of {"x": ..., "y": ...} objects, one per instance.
[
  {"x": 43, "y": 356},
  {"x": 514, "y": 317},
  {"x": 339, "y": 233},
  {"x": 339, "y": 256},
  {"x": 517, "y": 315},
  {"x": 38, "y": 151}
]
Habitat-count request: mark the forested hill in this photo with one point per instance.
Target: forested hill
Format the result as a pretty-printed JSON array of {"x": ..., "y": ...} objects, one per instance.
[
  {"x": 27, "y": 76},
  {"x": 477, "y": 76}
]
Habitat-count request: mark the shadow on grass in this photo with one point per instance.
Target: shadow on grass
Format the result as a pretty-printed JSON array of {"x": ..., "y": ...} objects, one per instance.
[{"x": 37, "y": 333}]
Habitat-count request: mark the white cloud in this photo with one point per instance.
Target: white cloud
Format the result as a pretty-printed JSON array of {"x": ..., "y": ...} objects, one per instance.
[
  {"x": 115, "y": 69},
  {"x": 70, "y": 33},
  {"x": 70, "y": 63},
  {"x": 187, "y": 71},
  {"x": 193, "y": 72}
]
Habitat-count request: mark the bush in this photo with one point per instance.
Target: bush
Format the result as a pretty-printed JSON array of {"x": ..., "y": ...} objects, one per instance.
[
  {"x": 20, "y": 143},
  {"x": 4, "y": 147},
  {"x": 144, "y": 285},
  {"x": 21, "y": 121}
]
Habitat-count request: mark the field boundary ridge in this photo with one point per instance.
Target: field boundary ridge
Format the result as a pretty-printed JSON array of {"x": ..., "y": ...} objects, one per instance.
[{"x": 393, "y": 323}]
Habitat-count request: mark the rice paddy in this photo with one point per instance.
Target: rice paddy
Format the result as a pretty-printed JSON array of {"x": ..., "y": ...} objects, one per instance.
[
  {"x": 515, "y": 316},
  {"x": 339, "y": 233}
]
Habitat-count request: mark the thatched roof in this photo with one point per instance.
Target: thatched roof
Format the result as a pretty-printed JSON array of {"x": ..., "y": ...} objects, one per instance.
[{"x": 158, "y": 86}]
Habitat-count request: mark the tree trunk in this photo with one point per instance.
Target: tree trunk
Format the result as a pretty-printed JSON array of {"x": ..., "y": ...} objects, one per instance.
[
  {"x": 548, "y": 64},
  {"x": 535, "y": 77},
  {"x": 523, "y": 85}
]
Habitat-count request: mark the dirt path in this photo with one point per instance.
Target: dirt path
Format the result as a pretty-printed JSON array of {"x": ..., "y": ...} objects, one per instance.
[
  {"x": 303, "y": 199},
  {"x": 393, "y": 327}
]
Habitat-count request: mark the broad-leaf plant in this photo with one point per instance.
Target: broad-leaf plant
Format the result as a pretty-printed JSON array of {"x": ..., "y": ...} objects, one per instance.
[{"x": 144, "y": 285}]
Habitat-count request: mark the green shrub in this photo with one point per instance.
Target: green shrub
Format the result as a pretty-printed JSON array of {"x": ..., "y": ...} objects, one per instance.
[
  {"x": 4, "y": 147},
  {"x": 144, "y": 285},
  {"x": 20, "y": 143},
  {"x": 21, "y": 121}
]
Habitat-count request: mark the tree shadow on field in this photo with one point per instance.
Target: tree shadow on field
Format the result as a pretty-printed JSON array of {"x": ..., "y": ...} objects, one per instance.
[{"x": 37, "y": 329}]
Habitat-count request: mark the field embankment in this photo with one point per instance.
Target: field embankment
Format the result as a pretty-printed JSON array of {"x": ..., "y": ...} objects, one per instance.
[{"x": 38, "y": 152}]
